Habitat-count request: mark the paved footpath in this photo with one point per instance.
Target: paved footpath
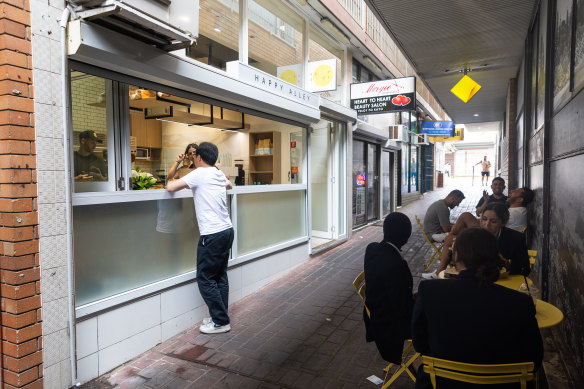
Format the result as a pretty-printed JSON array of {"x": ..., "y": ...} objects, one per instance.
[{"x": 303, "y": 331}]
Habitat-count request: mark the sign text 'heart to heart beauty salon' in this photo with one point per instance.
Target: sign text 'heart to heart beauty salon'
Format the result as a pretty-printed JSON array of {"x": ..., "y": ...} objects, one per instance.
[{"x": 397, "y": 94}]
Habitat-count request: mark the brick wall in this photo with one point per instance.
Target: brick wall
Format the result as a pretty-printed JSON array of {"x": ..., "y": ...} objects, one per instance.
[{"x": 21, "y": 353}]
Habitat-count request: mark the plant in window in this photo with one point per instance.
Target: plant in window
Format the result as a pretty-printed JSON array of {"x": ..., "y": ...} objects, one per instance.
[{"x": 142, "y": 180}]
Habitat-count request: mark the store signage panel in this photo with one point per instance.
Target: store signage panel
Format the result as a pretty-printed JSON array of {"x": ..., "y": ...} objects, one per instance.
[
  {"x": 393, "y": 95},
  {"x": 270, "y": 83},
  {"x": 438, "y": 128},
  {"x": 322, "y": 75},
  {"x": 458, "y": 135}
]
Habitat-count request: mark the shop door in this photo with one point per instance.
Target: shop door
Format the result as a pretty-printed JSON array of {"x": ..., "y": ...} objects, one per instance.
[
  {"x": 386, "y": 182},
  {"x": 321, "y": 183},
  {"x": 427, "y": 182},
  {"x": 359, "y": 183},
  {"x": 372, "y": 183}
]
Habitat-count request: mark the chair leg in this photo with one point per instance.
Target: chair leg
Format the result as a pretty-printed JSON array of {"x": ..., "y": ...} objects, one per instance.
[{"x": 402, "y": 367}]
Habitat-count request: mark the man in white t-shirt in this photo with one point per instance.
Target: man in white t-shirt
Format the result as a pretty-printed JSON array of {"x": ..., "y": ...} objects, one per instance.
[
  {"x": 209, "y": 187},
  {"x": 517, "y": 201}
]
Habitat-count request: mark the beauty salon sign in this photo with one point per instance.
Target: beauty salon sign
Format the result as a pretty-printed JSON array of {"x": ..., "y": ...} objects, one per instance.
[{"x": 394, "y": 95}]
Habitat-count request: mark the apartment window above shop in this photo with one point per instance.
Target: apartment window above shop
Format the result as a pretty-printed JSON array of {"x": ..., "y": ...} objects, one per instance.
[
  {"x": 218, "y": 41},
  {"x": 130, "y": 137},
  {"x": 325, "y": 64}
]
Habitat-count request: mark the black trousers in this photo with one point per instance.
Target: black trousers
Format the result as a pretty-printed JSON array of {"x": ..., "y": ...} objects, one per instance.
[{"x": 212, "y": 257}]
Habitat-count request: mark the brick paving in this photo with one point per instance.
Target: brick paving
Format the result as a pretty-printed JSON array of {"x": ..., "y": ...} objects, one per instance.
[{"x": 303, "y": 331}]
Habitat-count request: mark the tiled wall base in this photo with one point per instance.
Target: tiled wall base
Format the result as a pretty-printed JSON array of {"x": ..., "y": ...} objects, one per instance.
[{"x": 107, "y": 340}]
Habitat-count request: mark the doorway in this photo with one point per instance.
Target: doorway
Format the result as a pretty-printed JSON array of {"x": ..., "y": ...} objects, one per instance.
[{"x": 326, "y": 182}]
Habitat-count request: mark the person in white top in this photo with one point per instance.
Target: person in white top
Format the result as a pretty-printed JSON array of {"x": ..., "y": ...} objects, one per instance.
[
  {"x": 517, "y": 201},
  {"x": 209, "y": 187}
]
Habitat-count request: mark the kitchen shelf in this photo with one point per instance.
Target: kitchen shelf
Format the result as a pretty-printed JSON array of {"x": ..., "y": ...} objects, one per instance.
[{"x": 265, "y": 168}]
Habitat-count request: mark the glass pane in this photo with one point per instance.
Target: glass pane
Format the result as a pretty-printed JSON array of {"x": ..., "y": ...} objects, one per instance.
[
  {"x": 414, "y": 169},
  {"x": 266, "y": 219},
  {"x": 359, "y": 183},
  {"x": 385, "y": 182},
  {"x": 275, "y": 40},
  {"x": 319, "y": 179},
  {"x": 296, "y": 157},
  {"x": 562, "y": 52},
  {"x": 324, "y": 67},
  {"x": 92, "y": 138},
  {"x": 405, "y": 168},
  {"x": 218, "y": 41},
  {"x": 341, "y": 156},
  {"x": 166, "y": 129},
  {"x": 372, "y": 182},
  {"x": 122, "y": 246}
]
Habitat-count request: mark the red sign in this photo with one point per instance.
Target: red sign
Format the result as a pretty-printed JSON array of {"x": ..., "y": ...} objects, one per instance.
[
  {"x": 294, "y": 169},
  {"x": 293, "y": 144},
  {"x": 361, "y": 179}
]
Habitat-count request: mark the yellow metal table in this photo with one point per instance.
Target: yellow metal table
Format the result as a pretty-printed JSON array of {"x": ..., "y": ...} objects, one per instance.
[{"x": 547, "y": 315}]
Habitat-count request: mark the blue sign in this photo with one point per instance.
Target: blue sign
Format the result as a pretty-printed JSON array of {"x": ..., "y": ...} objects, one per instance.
[{"x": 438, "y": 128}]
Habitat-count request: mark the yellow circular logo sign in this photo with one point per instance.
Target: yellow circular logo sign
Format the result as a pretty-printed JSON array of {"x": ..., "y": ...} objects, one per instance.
[
  {"x": 322, "y": 75},
  {"x": 290, "y": 76}
]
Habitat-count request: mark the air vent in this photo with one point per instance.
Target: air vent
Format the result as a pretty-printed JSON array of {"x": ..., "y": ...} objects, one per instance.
[{"x": 168, "y": 25}]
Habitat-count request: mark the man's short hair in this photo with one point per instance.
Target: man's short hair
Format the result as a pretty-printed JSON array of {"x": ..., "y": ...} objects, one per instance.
[
  {"x": 456, "y": 193},
  {"x": 208, "y": 152},
  {"x": 499, "y": 179},
  {"x": 527, "y": 195}
]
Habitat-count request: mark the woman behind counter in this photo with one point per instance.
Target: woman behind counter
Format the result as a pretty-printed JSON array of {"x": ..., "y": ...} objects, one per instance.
[
  {"x": 189, "y": 155},
  {"x": 470, "y": 319}
]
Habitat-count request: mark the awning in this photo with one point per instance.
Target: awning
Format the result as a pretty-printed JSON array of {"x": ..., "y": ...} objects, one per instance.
[{"x": 107, "y": 49}]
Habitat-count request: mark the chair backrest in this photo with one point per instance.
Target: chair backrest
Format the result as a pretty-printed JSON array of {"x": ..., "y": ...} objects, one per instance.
[
  {"x": 423, "y": 232},
  {"x": 478, "y": 374},
  {"x": 532, "y": 256},
  {"x": 359, "y": 285}
]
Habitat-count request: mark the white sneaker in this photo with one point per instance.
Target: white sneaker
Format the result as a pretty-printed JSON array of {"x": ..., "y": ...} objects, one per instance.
[
  {"x": 212, "y": 328},
  {"x": 430, "y": 276},
  {"x": 206, "y": 320}
]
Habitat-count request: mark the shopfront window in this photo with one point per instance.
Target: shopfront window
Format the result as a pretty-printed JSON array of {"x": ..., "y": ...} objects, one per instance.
[
  {"x": 405, "y": 168},
  {"x": 359, "y": 183},
  {"x": 275, "y": 40},
  {"x": 92, "y": 137},
  {"x": 218, "y": 40},
  {"x": 134, "y": 233},
  {"x": 324, "y": 73},
  {"x": 414, "y": 169}
]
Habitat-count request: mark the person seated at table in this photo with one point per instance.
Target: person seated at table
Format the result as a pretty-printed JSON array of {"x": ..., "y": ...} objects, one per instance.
[
  {"x": 437, "y": 219},
  {"x": 470, "y": 319},
  {"x": 498, "y": 186},
  {"x": 464, "y": 221},
  {"x": 518, "y": 201},
  {"x": 389, "y": 289},
  {"x": 512, "y": 244}
]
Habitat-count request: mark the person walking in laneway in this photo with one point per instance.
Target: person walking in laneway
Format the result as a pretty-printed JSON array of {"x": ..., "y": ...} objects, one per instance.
[{"x": 486, "y": 166}]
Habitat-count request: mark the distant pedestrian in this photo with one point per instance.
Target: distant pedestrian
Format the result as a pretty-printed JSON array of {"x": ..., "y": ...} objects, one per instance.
[
  {"x": 209, "y": 186},
  {"x": 486, "y": 166}
]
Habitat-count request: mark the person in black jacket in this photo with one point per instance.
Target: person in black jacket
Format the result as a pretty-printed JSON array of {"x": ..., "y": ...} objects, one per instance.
[
  {"x": 470, "y": 319},
  {"x": 388, "y": 293},
  {"x": 511, "y": 243}
]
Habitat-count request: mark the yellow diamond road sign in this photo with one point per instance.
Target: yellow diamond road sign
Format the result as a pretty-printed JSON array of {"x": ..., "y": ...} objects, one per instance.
[{"x": 466, "y": 88}]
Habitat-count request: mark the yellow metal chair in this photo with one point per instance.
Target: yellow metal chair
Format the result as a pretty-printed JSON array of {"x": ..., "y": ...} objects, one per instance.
[
  {"x": 437, "y": 249},
  {"x": 532, "y": 256},
  {"x": 407, "y": 360},
  {"x": 479, "y": 374}
]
